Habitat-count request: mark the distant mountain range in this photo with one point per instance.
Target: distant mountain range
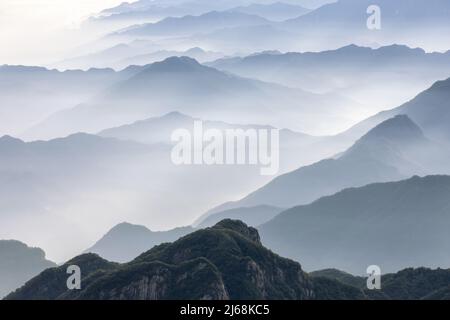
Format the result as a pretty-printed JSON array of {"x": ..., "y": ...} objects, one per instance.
[
  {"x": 125, "y": 241},
  {"x": 386, "y": 76},
  {"x": 430, "y": 110},
  {"x": 393, "y": 225},
  {"x": 30, "y": 94},
  {"x": 18, "y": 264},
  {"x": 190, "y": 25},
  {"x": 185, "y": 85},
  {"x": 139, "y": 53},
  {"x": 391, "y": 151},
  {"x": 277, "y": 11},
  {"x": 247, "y": 26},
  {"x": 73, "y": 184},
  {"x": 56, "y": 184},
  {"x": 144, "y": 59},
  {"x": 342, "y": 22},
  {"x": 158, "y": 130}
]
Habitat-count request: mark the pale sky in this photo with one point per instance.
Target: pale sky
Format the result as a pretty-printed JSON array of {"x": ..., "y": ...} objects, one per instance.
[{"x": 40, "y": 31}]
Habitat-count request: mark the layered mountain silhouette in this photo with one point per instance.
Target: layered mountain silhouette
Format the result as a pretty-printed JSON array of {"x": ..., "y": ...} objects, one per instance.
[
  {"x": 126, "y": 241},
  {"x": 277, "y": 11},
  {"x": 346, "y": 20},
  {"x": 157, "y": 130},
  {"x": 393, "y": 225},
  {"x": 387, "y": 76},
  {"x": 223, "y": 262},
  {"x": 49, "y": 189},
  {"x": 18, "y": 264},
  {"x": 430, "y": 110},
  {"x": 30, "y": 94},
  {"x": 391, "y": 151},
  {"x": 190, "y": 25},
  {"x": 143, "y": 59},
  {"x": 181, "y": 83}
]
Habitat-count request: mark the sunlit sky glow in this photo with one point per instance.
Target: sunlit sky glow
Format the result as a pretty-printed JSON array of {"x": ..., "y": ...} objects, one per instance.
[{"x": 39, "y": 31}]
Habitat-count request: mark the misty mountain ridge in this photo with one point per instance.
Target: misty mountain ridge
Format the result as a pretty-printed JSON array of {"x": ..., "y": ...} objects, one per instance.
[
  {"x": 189, "y": 25},
  {"x": 345, "y": 20},
  {"x": 387, "y": 76},
  {"x": 197, "y": 90},
  {"x": 278, "y": 11},
  {"x": 430, "y": 109},
  {"x": 391, "y": 151},
  {"x": 126, "y": 241},
  {"x": 394, "y": 225},
  {"x": 30, "y": 94}
]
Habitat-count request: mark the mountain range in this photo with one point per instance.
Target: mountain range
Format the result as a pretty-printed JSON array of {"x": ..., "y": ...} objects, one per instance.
[
  {"x": 190, "y": 25},
  {"x": 49, "y": 189},
  {"x": 191, "y": 88},
  {"x": 343, "y": 21},
  {"x": 30, "y": 94},
  {"x": 126, "y": 241},
  {"x": 158, "y": 130},
  {"x": 386, "y": 76},
  {"x": 277, "y": 11},
  {"x": 408, "y": 140},
  {"x": 394, "y": 225},
  {"x": 430, "y": 110},
  {"x": 393, "y": 150}
]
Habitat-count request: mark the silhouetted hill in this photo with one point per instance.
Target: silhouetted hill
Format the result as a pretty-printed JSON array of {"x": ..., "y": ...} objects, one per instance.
[
  {"x": 18, "y": 264},
  {"x": 394, "y": 225},
  {"x": 223, "y": 262},
  {"x": 125, "y": 241}
]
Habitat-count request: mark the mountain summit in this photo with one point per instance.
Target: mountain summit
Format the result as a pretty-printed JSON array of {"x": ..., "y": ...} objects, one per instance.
[{"x": 226, "y": 261}]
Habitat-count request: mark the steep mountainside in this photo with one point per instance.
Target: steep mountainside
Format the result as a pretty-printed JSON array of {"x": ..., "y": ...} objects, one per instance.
[
  {"x": 223, "y": 262},
  {"x": 430, "y": 110},
  {"x": 393, "y": 150},
  {"x": 393, "y": 225}
]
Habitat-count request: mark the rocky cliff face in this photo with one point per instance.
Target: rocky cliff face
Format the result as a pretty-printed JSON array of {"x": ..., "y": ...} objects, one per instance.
[{"x": 224, "y": 262}]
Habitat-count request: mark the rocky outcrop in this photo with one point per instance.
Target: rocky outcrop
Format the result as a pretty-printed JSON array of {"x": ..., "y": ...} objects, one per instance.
[{"x": 224, "y": 262}]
